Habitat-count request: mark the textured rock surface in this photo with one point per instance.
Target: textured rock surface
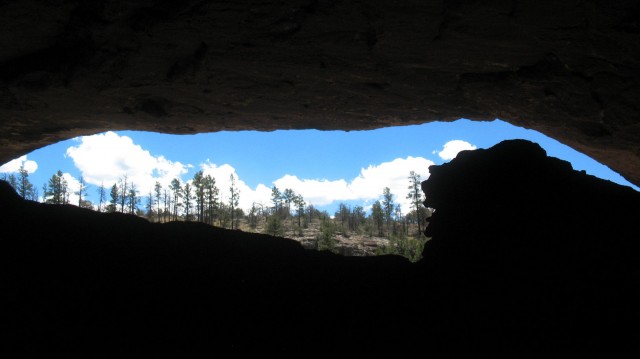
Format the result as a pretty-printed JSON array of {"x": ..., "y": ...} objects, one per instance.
[
  {"x": 568, "y": 69},
  {"x": 521, "y": 263}
]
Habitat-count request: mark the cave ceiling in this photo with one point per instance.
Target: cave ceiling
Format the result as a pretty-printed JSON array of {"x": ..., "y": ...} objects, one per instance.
[{"x": 568, "y": 69}]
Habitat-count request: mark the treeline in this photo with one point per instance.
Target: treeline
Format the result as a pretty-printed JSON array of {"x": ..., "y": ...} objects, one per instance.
[
  {"x": 288, "y": 214},
  {"x": 403, "y": 230},
  {"x": 198, "y": 200},
  {"x": 55, "y": 191}
]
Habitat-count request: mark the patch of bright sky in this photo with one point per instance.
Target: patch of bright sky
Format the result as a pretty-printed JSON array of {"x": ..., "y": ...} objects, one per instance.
[{"x": 325, "y": 167}]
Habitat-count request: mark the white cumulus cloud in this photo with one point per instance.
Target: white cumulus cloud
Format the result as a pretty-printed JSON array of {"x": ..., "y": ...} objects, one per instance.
[
  {"x": 366, "y": 187},
  {"x": 222, "y": 174},
  {"x": 108, "y": 157},
  {"x": 14, "y": 165},
  {"x": 369, "y": 185},
  {"x": 105, "y": 158},
  {"x": 318, "y": 192},
  {"x": 450, "y": 149}
]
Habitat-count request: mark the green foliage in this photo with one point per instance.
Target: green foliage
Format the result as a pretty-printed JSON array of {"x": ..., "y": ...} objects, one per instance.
[
  {"x": 234, "y": 199},
  {"x": 25, "y": 188},
  {"x": 187, "y": 196},
  {"x": 57, "y": 190},
  {"x": 408, "y": 247},
  {"x": 112, "y": 207},
  {"x": 415, "y": 195},
  {"x": 211, "y": 203},
  {"x": 368, "y": 229},
  {"x": 276, "y": 198},
  {"x": 275, "y": 226},
  {"x": 325, "y": 239},
  {"x": 85, "y": 204},
  {"x": 378, "y": 216},
  {"x": 387, "y": 207}
]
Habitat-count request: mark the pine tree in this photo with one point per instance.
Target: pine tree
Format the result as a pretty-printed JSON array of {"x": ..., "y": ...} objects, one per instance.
[
  {"x": 102, "y": 196},
  {"x": 24, "y": 187},
  {"x": 398, "y": 219},
  {"x": 149, "y": 208},
  {"x": 299, "y": 203},
  {"x": 343, "y": 214},
  {"x": 234, "y": 199},
  {"x": 57, "y": 189},
  {"x": 377, "y": 215},
  {"x": 387, "y": 207},
  {"x": 115, "y": 197},
  {"x": 187, "y": 196},
  {"x": 198, "y": 183},
  {"x": 132, "y": 199},
  {"x": 415, "y": 195},
  {"x": 124, "y": 192},
  {"x": 357, "y": 218},
  {"x": 276, "y": 198},
  {"x": 82, "y": 190},
  {"x": 176, "y": 187},
  {"x": 212, "y": 193},
  {"x": 288, "y": 196},
  {"x": 166, "y": 199},
  {"x": 158, "y": 192}
]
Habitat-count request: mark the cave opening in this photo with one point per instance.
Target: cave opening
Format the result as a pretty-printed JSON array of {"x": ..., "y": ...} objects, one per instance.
[
  {"x": 356, "y": 193},
  {"x": 518, "y": 240}
]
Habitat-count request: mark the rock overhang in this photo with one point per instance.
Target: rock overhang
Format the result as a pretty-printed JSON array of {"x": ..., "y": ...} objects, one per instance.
[{"x": 569, "y": 70}]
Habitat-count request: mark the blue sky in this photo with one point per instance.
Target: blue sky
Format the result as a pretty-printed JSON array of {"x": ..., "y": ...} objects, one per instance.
[{"x": 326, "y": 167}]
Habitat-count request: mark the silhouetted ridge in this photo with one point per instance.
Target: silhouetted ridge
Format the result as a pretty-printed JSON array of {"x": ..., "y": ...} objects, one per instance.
[{"x": 8, "y": 195}]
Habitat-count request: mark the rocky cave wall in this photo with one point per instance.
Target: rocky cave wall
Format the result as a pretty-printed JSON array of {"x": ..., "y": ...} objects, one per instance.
[
  {"x": 556, "y": 276},
  {"x": 568, "y": 69}
]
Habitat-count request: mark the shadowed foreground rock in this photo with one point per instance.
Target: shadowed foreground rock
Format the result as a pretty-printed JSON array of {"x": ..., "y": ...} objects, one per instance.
[{"x": 527, "y": 256}]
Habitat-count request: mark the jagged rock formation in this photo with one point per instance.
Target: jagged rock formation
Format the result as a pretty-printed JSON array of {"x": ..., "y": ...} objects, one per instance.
[
  {"x": 568, "y": 69},
  {"x": 527, "y": 257},
  {"x": 533, "y": 254}
]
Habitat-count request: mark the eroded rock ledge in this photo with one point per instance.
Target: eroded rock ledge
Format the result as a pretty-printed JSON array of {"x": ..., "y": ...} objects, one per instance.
[
  {"x": 527, "y": 256},
  {"x": 568, "y": 69}
]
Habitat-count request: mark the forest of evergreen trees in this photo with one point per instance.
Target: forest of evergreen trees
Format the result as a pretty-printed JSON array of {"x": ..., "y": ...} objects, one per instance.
[{"x": 288, "y": 214}]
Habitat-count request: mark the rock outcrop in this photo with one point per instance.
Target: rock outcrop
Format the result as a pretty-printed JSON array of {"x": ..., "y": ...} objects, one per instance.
[
  {"x": 569, "y": 69},
  {"x": 532, "y": 254},
  {"x": 527, "y": 257}
]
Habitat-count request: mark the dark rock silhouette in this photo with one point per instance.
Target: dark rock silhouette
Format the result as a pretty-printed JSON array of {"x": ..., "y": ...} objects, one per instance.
[
  {"x": 527, "y": 257},
  {"x": 528, "y": 254}
]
